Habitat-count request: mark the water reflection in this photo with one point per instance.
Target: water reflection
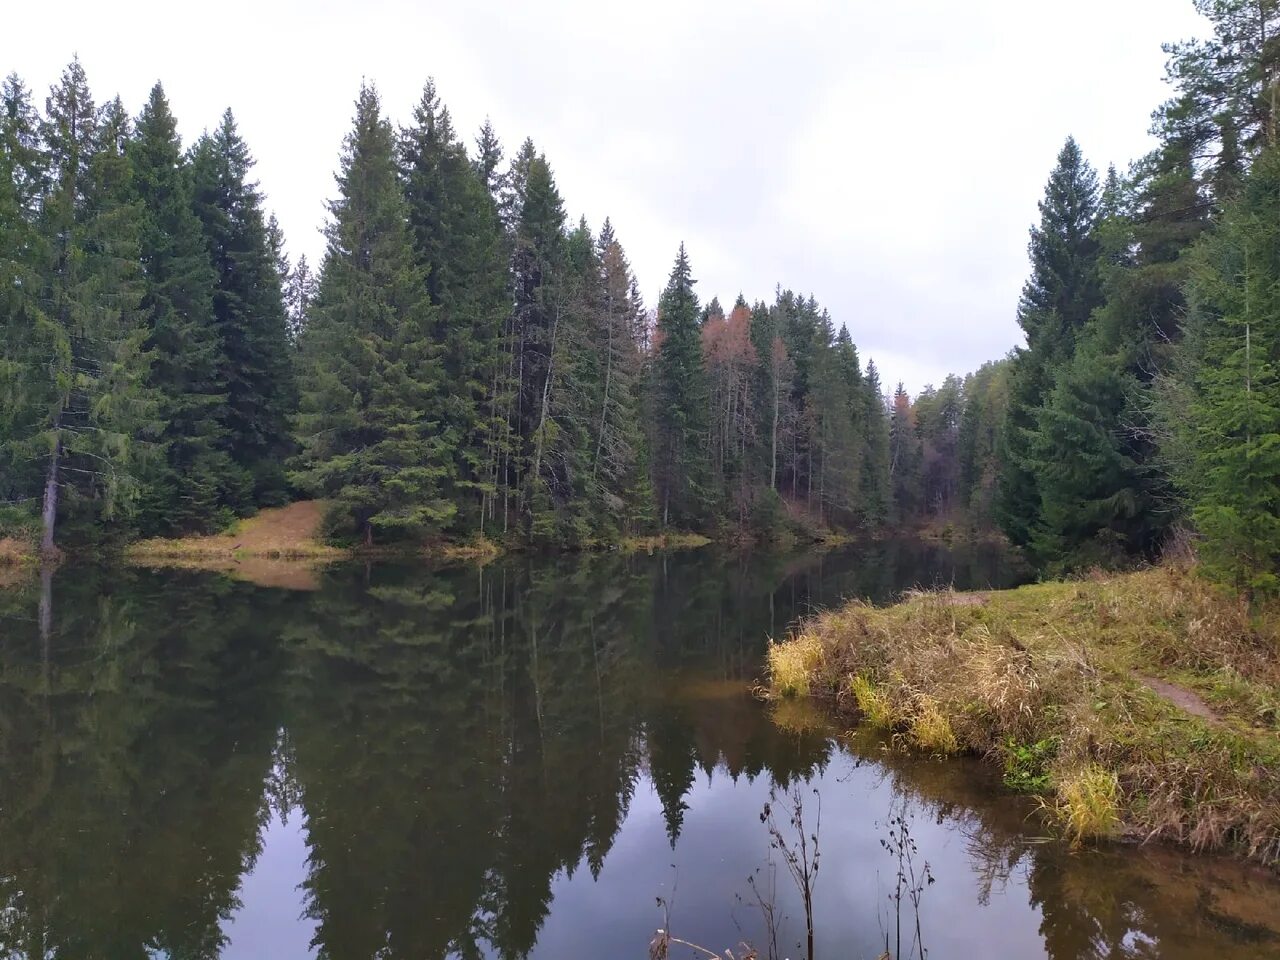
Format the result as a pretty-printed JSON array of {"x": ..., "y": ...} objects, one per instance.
[{"x": 505, "y": 763}]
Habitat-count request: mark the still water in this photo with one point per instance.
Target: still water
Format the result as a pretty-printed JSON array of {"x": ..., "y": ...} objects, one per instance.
[{"x": 543, "y": 758}]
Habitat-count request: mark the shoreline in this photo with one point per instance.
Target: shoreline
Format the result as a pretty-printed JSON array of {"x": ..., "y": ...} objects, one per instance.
[
  {"x": 291, "y": 534},
  {"x": 1142, "y": 705}
]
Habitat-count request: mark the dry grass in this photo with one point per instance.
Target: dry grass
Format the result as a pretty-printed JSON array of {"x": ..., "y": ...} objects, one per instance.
[
  {"x": 1069, "y": 663},
  {"x": 793, "y": 664},
  {"x": 277, "y": 548},
  {"x": 872, "y": 703},
  {"x": 1088, "y": 803},
  {"x": 481, "y": 550},
  {"x": 278, "y": 533},
  {"x": 931, "y": 730}
]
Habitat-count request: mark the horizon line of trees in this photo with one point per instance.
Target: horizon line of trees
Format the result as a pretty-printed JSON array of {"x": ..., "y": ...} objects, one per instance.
[
  {"x": 464, "y": 361},
  {"x": 467, "y": 361}
]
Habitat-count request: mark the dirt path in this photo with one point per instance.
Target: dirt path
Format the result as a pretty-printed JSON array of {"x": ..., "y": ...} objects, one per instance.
[
  {"x": 1181, "y": 697},
  {"x": 279, "y": 528}
]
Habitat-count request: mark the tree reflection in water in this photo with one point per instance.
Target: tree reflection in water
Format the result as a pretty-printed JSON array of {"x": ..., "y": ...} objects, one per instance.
[{"x": 465, "y": 750}]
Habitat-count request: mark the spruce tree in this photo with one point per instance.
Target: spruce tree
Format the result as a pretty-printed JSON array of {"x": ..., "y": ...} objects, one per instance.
[
  {"x": 459, "y": 243},
  {"x": 255, "y": 364},
  {"x": 1105, "y": 493},
  {"x": 299, "y": 293},
  {"x": 986, "y": 401},
  {"x": 680, "y": 460},
  {"x": 877, "y": 498},
  {"x": 1057, "y": 299},
  {"x": 89, "y": 381},
  {"x": 371, "y": 382},
  {"x": 1226, "y": 427},
  {"x": 851, "y": 440},
  {"x": 541, "y": 277},
  {"x": 904, "y": 458},
  {"x": 23, "y": 325},
  {"x": 193, "y": 477},
  {"x": 488, "y": 158}
]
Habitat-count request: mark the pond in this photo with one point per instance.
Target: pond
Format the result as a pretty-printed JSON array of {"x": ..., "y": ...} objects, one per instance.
[{"x": 546, "y": 757}]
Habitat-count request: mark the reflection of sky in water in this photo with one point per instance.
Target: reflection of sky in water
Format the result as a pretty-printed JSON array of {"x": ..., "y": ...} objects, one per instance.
[
  {"x": 271, "y": 922},
  {"x": 721, "y": 844}
]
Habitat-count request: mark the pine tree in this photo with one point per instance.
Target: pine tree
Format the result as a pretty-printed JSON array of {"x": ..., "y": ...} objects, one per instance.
[
  {"x": 255, "y": 363},
  {"x": 194, "y": 475},
  {"x": 680, "y": 462},
  {"x": 1227, "y": 104},
  {"x": 1057, "y": 300},
  {"x": 370, "y": 401}
]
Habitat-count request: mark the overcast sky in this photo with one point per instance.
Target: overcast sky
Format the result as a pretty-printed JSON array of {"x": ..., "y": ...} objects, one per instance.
[{"x": 885, "y": 157}]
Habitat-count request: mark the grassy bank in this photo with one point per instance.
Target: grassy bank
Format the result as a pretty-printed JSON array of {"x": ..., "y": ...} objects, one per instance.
[{"x": 1143, "y": 704}]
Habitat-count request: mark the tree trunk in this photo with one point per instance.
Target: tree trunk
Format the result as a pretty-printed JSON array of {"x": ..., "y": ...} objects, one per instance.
[
  {"x": 546, "y": 398},
  {"x": 604, "y": 405},
  {"x": 46, "y": 607},
  {"x": 50, "y": 511},
  {"x": 773, "y": 456}
]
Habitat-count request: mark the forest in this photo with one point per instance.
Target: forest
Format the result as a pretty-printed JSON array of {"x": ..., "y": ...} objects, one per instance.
[{"x": 467, "y": 361}]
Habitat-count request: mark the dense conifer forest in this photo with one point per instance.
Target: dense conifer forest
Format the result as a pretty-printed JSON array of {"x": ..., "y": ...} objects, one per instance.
[{"x": 467, "y": 361}]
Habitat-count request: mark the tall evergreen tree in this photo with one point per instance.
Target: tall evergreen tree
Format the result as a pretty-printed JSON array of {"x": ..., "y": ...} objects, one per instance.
[
  {"x": 89, "y": 383},
  {"x": 540, "y": 274},
  {"x": 24, "y": 327},
  {"x": 255, "y": 364},
  {"x": 1057, "y": 300},
  {"x": 458, "y": 239},
  {"x": 488, "y": 158},
  {"x": 1105, "y": 493},
  {"x": 904, "y": 457},
  {"x": 986, "y": 401},
  {"x": 194, "y": 476},
  {"x": 620, "y": 460},
  {"x": 680, "y": 465},
  {"x": 1227, "y": 104},
  {"x": 1226, "y": 418},
  {"x": 371, "y": 383},
  {"x": 876, "y": 492}
]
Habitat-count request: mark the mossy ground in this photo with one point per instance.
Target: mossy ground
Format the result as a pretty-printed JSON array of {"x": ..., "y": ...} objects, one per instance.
[{"x": 1066, "y": 686}]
